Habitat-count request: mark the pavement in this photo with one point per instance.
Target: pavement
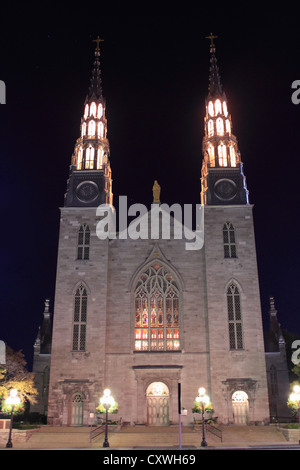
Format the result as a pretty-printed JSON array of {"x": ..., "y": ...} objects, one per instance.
[{"x": 150, "y": 438}]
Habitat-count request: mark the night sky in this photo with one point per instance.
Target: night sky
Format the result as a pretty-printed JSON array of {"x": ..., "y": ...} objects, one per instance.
[{"x": 155, "y": 80}]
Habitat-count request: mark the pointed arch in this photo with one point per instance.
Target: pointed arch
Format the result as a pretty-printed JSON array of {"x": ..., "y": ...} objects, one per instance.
[
  {"x": 83, "y": 244},
  {"x": 80, "y": 318},
  {"x": 156, "y": 309},
  {"x": 234, "y": 312},
  {"x": 229, "y": 240}
]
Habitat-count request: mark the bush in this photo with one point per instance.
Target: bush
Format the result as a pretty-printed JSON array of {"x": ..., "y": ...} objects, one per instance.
[{"x": 292, "y": 426}]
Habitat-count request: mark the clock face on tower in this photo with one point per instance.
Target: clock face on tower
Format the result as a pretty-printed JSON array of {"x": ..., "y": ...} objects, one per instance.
[
  {"x": 225, "y": 189},
  {"x": 87, "y": 191}
]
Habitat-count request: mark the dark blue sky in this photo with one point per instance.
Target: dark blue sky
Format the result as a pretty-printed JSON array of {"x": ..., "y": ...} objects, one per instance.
[{"x": 155, "y": 80}]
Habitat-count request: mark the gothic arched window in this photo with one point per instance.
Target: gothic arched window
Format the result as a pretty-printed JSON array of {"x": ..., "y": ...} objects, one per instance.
[
  {"x": 79, "y": 158},
  {"x": 225, "y": 108},
  {"x": 100, "y": 110},
  {"x": 228, "y": 127},
  {"x": 229, "y": 240},
  {"x": 79, "y": 319},
  {"x": 232, "y": 156},
  {"x": 211, "y": 154},
  {"x": 222, "y": 153},
  {"x": 83, "y": 247},
  {"x": 220, "y": 126},
  {"x": 157, "y": 319},
  {"x": 89, "y": 158},
  {"x": 211, "y": 108},
  {"x": 99, "y": 158},
  {"x": 234, "y": 317},
  {"x": 93, "y": 109},
  {"x": 100, "y": 129},
  {"x": 218, "y": 107},
  {"x": 92, "y": 128}
]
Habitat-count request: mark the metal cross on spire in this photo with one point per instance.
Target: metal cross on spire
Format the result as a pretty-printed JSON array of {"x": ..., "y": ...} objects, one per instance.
[
  {"x": 97, "y": 41},
  {"x": 211, "y": 37}
]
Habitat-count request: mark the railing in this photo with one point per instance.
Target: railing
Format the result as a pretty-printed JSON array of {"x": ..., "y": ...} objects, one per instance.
[
  {"x": 97, "y": 431},
  {"x": 101, "y": 429},
  {"x": 214, "y": 430}
]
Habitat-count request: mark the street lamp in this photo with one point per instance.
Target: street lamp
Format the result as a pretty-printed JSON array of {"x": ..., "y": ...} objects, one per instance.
[
  {"x": 107, "y": 402},
  {"x": 296, "y": 398},
  {"x": 12, "y": 400},
  {"x": 203, "y": 399}
]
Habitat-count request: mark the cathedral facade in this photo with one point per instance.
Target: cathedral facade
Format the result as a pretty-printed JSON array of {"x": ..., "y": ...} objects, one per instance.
[{"x": 141, "y": 315}]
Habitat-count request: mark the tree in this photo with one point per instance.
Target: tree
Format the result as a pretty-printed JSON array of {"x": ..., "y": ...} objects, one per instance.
[{"x": 14, "y": 375}]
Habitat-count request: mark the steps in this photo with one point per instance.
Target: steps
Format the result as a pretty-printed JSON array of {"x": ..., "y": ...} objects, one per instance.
[{"x": 52, "y": 437}]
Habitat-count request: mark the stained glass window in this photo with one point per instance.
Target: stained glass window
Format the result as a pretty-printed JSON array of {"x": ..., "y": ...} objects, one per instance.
[
  {"x": 157, "y": 324},
  {"x": 79, "y": 320},
  {"x": 83, "y": 247},
  {"x": 234, "y": 317}
]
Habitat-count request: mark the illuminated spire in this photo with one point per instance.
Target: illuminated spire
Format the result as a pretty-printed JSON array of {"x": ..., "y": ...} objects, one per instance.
[
  {"x": 91, "y": 150},
  {"x": 95, "y": 89},
  {"x": 220, "y": 148},
  {"x": 214, "y": 87}
]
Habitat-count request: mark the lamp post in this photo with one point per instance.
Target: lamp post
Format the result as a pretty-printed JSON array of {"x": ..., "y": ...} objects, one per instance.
[
  {"x": 295, "y": 396},
  {"x": 203, "y": 399},
  {"x": 107, "y": 402},
  {"x": 12, "y": 400}
]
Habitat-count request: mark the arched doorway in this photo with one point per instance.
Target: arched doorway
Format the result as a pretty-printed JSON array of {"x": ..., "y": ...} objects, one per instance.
[
  {"x": 158, "y": 404},
  {"x": 240, "y": 407},
  {"x": 77, "y": 409}
]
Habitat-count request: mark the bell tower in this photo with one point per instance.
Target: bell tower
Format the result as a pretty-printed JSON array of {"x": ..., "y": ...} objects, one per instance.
[
  {"x": 222, "y": 178},
  {"x": 90, "y": 182}
]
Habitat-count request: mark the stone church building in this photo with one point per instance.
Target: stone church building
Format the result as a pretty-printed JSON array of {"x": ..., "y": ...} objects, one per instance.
[{"x": 141, "y": 315}]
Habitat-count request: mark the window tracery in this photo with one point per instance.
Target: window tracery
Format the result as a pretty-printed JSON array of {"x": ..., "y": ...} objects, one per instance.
[
  {"x": 234, "y": 317},
  {"x": 79, "y": 319},
  {"x": 157, "y": 325},
  {"x": 229, "y": 240},
  {"x": 83, "y": 247}
]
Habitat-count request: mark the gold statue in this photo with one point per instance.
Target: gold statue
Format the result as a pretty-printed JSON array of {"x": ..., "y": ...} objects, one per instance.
[{"x": 156, "y": 193}]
